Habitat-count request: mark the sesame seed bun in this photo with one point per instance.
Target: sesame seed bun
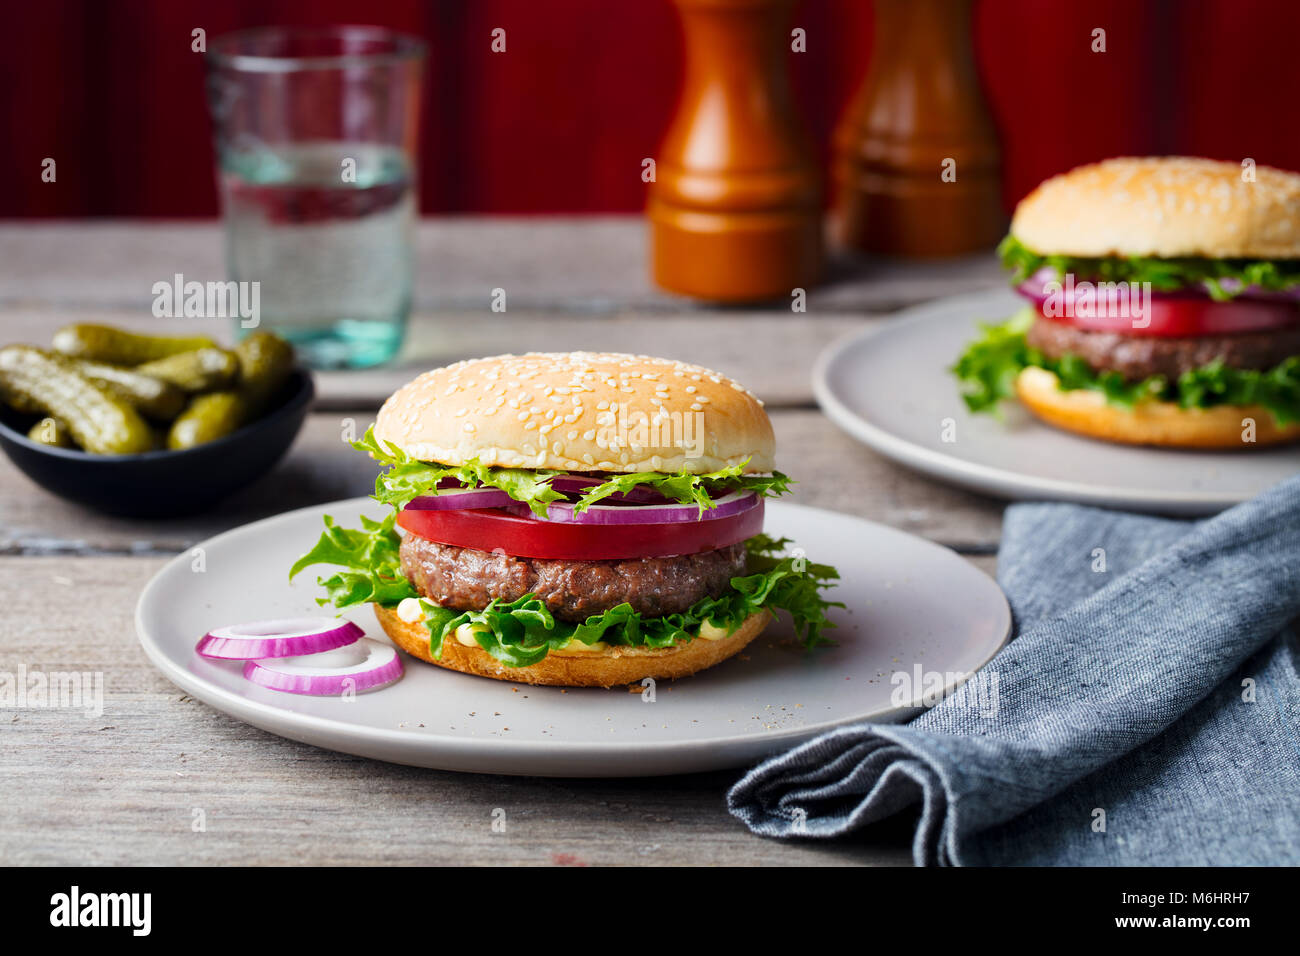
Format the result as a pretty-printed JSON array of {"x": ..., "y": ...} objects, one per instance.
[
  {"x": 579, "y": 411},
  {"x": 603, "y": 668},
  {"x": 1164, "y": 424},
  {"x": 1164, "y": 207}
]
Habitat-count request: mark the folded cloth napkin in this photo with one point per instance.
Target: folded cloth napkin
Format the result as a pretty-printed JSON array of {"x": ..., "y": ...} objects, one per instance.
[{"x": 1147, "y": 709}]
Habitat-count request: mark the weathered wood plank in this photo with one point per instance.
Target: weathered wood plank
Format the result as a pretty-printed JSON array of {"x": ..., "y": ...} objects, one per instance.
[
  {"x": 833, "y": 471},
  {"x": 122, "y": 788},
  {"x": 772, "y": 353},
  {"x": 596, "y": 265}
]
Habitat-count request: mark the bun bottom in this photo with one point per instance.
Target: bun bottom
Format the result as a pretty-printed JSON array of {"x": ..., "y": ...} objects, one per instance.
[
  {"x": 1165, "y": 424},
  {"x": 606, "y": 668}
]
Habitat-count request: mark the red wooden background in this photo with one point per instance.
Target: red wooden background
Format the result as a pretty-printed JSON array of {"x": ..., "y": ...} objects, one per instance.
[{"x": 561, "y": 121}]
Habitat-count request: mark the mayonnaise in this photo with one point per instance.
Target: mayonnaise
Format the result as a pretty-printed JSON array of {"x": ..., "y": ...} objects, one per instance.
[
  {"x": 410, "y": 611},
  {"x": 711, "y": 633},
  {"x": 465, "y": 634},
  {"x": 576, "y": 646}
]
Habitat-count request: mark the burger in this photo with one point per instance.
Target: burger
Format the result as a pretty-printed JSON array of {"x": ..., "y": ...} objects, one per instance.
[
  {"x": 578, "y": 518},
  {"x": 1162, "y": 306}
]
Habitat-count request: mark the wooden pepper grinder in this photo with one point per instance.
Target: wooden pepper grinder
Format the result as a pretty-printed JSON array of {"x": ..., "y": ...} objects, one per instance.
[
  {"x": 920, "y": 113},
  {"x": 735, "y": 210}
]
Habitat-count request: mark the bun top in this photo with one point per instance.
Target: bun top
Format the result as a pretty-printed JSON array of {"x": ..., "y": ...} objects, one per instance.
[
  {"x": 1165, "y": 207},
  {"x": 579, "y": 411}
]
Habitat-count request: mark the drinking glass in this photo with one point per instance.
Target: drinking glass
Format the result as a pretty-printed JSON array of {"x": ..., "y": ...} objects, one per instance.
[{"x": 316, "y": 133}]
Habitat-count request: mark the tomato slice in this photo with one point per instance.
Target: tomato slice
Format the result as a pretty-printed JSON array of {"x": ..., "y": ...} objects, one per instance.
[
  {"x": 1185, "y": 316},
  {"x": 490, "y": 529}
]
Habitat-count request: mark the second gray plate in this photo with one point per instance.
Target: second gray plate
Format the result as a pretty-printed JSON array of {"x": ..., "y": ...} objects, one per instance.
[{"x": 891, "y": 390}]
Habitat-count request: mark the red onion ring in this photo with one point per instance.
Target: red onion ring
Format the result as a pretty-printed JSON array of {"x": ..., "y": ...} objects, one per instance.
[
  {"x": 455, "y": 498},
  {"x": 1032, "y": 288},
  {"x": 1207, "y": 316},
  {"x": 317, "y": 676},
  {"x": 561, "y": 512},
  {"x": 460, "y": 498},
  {"x": 287, "y": 637}
]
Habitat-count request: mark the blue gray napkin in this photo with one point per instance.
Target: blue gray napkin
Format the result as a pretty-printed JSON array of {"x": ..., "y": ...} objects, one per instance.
[{"x": 1148, "y": 713}]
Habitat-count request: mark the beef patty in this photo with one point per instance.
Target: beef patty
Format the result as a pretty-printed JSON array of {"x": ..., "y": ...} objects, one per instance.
[
  {"x": 1136, "y": 357},
  {"x": 467, "y": 580}
]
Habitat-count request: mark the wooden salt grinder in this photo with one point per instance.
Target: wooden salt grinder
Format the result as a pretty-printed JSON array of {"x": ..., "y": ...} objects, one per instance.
[
  {"x": 920, "y": 106},
  {"x": 735, "y": 210}
]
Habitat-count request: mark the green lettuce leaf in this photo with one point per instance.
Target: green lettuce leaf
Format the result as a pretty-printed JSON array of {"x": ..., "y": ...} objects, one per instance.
[
  {"x": 1277, "y": 389},
  {"x": 369, "y": 559},
  {"x": 522, "y": 632},
  {"x": 987, "y": 371},
  {"x": 405, "y": 478},
  {"x": 699, "y": 490},
  {"x": 1165, "y": 275}
]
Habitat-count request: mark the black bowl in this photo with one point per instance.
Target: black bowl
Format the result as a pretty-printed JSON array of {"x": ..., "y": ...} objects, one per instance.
[{"x": 161, "y": 483}]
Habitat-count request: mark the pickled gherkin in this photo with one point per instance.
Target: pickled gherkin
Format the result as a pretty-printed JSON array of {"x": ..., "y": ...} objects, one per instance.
[
  {"x": 103, "y": 343},
  {"x": 52, "y": 432},
  {"x": 202, "y": 370},
  {"x": 157, "y": 399},
  {"x": 207, "y": 418},
  {"x": 265, "y": 361},
  {"x": 97, "y": 420}
]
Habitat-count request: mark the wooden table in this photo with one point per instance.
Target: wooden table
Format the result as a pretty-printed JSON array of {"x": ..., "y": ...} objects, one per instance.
[{"x": 123, "y": 788}]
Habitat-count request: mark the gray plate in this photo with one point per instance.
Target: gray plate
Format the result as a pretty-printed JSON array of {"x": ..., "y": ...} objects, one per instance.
[
  {"x": 891, "y": 390},
  {"x": 909, "y": 602}
]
